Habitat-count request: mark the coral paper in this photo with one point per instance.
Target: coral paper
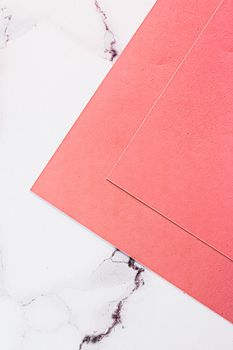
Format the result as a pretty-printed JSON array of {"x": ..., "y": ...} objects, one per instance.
[
  {"x": 180, "y": 161},
  {"x": 75, "y": 178}
]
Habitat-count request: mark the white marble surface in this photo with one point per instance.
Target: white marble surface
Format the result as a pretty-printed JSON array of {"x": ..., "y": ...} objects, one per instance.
[{"x": 58, "y": 282}]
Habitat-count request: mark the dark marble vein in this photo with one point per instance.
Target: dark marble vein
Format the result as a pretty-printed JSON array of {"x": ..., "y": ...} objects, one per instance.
[
  {"x": 116, "y": 318},
  {"x": 110, "y": 49},
  {"x": 7, "y": 19}
]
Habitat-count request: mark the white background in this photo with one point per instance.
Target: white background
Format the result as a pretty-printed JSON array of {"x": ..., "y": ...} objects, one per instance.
[{"x": 55, "y": 284}]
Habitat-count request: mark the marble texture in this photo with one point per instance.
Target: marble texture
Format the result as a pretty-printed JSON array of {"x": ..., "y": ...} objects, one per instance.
[{"x": 62, "y": 287}]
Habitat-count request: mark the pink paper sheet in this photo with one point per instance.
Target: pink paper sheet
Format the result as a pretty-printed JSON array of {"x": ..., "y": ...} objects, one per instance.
[
  {"x": 75, "y": 178},
  {"x": 180, "y": 161}
]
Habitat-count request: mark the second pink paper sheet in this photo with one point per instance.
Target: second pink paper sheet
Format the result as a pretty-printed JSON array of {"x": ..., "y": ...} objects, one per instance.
[{"x": 179, "y": 162}]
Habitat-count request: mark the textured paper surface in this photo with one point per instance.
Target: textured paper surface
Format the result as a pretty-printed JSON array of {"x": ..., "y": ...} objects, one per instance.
[
  {"x": 75, "y": 178},
  {"x": 180, "y": 160}
]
